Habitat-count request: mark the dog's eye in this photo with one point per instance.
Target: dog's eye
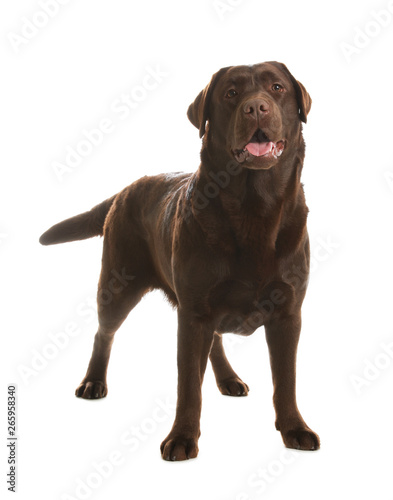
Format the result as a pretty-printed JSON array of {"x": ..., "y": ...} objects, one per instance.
[
  {"x": 231, "y": 93},
  {"x": 276, "y": 87}
]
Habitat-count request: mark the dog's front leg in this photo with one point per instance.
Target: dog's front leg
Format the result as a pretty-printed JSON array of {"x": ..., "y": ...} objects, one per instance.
[
  {"x": 282, "y": 335},
  {"x": 195, "y": 338}
]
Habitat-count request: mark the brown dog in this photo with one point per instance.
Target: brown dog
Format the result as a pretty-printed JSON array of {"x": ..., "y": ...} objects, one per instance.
[{"x": 223, "y": 244}]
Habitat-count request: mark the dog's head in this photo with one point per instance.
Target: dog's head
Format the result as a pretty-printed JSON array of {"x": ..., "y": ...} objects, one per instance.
[{"x": 253, "y": 112}]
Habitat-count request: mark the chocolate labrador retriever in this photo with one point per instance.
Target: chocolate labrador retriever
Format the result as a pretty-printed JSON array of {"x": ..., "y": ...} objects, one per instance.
[{"x": 223, "y": 244}]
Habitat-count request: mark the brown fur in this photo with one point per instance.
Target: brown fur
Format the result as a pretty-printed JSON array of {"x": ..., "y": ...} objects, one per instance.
[{"x": 221, "y": 243}]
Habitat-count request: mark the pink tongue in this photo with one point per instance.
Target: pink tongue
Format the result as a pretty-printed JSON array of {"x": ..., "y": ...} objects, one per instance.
[{"x": 259, "y": 148}]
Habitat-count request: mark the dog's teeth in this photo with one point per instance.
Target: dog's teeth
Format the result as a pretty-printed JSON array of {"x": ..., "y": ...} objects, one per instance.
[{"x": 277, "y": 153}]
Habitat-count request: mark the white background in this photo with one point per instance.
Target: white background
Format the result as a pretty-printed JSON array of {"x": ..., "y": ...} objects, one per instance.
[{"x": 64, "y": 80}]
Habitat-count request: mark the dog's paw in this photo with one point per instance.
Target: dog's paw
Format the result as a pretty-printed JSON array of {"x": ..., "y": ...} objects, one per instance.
[
  {"x": 233, "y": 387},
  {"x": 92, "y": 390},
  {"x": 301, "y": 439},
  {"x": 176, "y": 448}
]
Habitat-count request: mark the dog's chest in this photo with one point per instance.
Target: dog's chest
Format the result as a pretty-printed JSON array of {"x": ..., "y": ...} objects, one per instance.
[
  {"x": 242, "y": 306},
  {"x": 249, "y": 239},
  {"x": 250, "y": 294}
]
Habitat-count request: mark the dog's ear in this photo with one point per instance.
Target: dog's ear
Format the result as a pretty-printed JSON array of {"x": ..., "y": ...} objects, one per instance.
[
  {"x": 198, "y": 111},
  {"x": 303, "y": 97}
]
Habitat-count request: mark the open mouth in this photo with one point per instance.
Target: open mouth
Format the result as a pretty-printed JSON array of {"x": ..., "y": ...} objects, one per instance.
[{"x": 259, "y": 146}]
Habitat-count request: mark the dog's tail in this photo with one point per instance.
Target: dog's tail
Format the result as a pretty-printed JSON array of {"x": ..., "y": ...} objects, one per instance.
[{"x": 80, "y": 227}]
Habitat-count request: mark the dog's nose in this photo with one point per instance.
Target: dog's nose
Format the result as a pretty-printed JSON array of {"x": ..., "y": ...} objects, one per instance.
[{"x": 256, "y": 108}]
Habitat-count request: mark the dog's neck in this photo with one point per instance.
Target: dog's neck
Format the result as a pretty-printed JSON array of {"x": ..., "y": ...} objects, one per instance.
[
  {"x": 224, "y": 180},
  {"x": 229, "y": 194}
]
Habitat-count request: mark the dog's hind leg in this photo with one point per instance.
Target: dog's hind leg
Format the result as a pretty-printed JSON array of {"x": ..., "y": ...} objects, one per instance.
[
  {"x": 114, "y": 304},
  {"x": 227, "y": 380},
  {"x": 120, "y": 289}
]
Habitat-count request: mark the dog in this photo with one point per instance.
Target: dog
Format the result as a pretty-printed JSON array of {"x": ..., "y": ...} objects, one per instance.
[{"x": 223, "y": 244}]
